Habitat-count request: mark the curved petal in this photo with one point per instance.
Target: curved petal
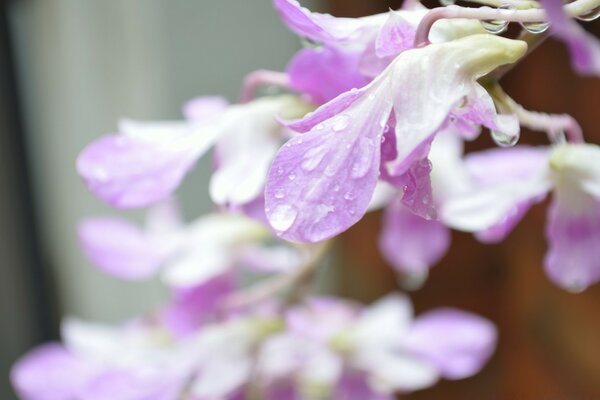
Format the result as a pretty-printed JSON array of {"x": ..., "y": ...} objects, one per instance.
[
  {"x": 583, "y": 46},
  {"x": 205, "y": 108},
  {"x": 50, "y": 372},
  {"x": 395, "y": 36},
  {"x": 410, "y": 243},
  {"x": 573, "y": 232},
  {"x": 144, "y": 164},
  {"x": 325, "y": 73},
  {"x": 321, "y": 27},
  {"x": 458, "y": 343},
  {"x": 321, "y": 183},
  {"x": 120, "y": 248},
  {"x": 422, "y": 87}
]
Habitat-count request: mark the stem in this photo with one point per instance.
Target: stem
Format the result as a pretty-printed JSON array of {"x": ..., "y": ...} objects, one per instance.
[
  {"x": 294, "y": 281},
  {"x": 576, "y": 8},
  {"x": 259, "y": 78},
  {"x": 552, "y": 124}
]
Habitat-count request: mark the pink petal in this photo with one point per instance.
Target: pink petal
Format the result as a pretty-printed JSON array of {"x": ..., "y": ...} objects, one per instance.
[
  {"x": 325, "y": 73},
  {"x": 321, "y": 183},
  {"x": 50, "y": 372},
  {"x": 130, "y": 172},
  {"x": 120, "y": 248},
  {"x": 573, "y": 232},
  {"x": 458, "y": 343},
  {"x": 410, "y": 243},
  {"x": 395, "y": 36},
  {"x": 583, "y": 46}
]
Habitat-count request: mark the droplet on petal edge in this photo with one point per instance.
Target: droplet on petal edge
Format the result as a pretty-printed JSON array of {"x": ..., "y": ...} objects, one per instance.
[
  {"x": 279, "y": 193},
  {"x": 590, "y": 16},
  {"x": 536, "y": 27},
  {"x": 497, "y": 26},
  {"x": 283, "y": 217},
  {"x": 340, "y": 123},
  {"x": 504, "y": 140}
]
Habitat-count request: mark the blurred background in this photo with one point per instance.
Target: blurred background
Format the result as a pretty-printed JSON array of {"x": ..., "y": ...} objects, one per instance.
[{"x": 69, "y": 69}]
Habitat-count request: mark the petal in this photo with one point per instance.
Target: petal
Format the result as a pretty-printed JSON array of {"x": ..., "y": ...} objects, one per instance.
[
  {"x": 321, "y": 27},
  {"x": 205, "y": 108},
  {"x": 505, "y": 183},
  {"x": 193, "y": 306},
  {"x": 410, "y": 243},
  {"x": 321, "y": 183},
  {"x": 573, "y": 232},
  {"x": 120, "y": 248},
  {"x": 395, "y": 36},
  {"x": 355, "y": 386},
  {"x": 416, "y": 186},
  {"x": 245, "y": 150},
  {"x": 50, "y": 372},
  {"x": 583, "y": 46},
  {"x": 384, "y": 323},
  {"x": 144, "y": 164},
  {"x": 325, "y": 73},
  {"x": 197, "y": 267},
  {"x": 580, "y": 164},
  {"x": 457, "y": 342},
  {"x": 145, "y": 384},
  {"x": 424, "y": 87}
]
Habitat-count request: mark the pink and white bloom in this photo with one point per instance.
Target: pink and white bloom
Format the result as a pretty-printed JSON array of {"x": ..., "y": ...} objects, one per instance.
[
  {"x": 146, "y": 161},
  {"x": 381, "y": 348},
  {"x": 321, "y": 182},
  {"x": 511, "y": 180}
]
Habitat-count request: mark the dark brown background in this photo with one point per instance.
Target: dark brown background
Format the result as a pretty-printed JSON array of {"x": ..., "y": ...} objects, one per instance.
[{"x": 549, "y": 343}]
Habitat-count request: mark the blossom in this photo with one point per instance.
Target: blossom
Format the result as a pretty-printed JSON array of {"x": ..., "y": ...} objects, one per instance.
[
  {"x": 583, "y": 46},
  {"x": 321, "y": 182},
  {"x": 511, "y": 180},
  {"x": 185, "y": 255},
  {"x": 146, "y": 161},
  {"x": 329, "y": 343}
]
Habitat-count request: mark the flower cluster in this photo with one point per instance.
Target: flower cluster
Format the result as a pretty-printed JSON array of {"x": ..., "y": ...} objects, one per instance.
[{"x": 374, "y": 114}]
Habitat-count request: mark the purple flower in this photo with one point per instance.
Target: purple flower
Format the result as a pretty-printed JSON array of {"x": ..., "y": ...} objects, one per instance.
[
  {"x": 377, "y": 351},
  {"x": 321, "y": 182},
  {"x": 583, "y": 46},
  {"x": 511, "y": 180}
]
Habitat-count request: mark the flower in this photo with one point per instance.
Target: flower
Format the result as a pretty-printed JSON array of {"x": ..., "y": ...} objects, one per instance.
[
  {"x": 330, "y": 344},
  {"x": 147, "y": 161},
  {"x": 321, "y": 182},
  {"x": 583, "y": 46},
  {"x": 510, "y": 181}
]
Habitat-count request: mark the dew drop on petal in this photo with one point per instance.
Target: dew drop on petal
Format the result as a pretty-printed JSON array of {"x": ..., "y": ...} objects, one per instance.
[
  {"x": 497, "y": 26},
  {"x": 313, "y": 157},
  {"x": 352, "y": 211},
  {"x": 504, "y": 140},
  {"x": 363, "y": 158},
  {"x": 319, "y": 127},
  {"x": 536, "y": 27},
  {"x": 590, "y": 16},
  {"x": 283, "y": 217},
  {"x": 336, "y": 188},
  {"x": 291, "y": 176},
  {"x": 349, "y": 196},
  {"x": 341, "y": 122},
  {"x": 279, "y": 193},
  {"x": 330, "y": 170},
  {"x": 279, "y": 171}
]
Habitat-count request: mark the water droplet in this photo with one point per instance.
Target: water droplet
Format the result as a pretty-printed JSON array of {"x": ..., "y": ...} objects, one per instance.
[
  {"x": 336, "y": 188},
  {"x": 283, "y": 217},
  {"x": 371, "y": 96},
  {"x": 279, "y": 170},
  {"x": 497, "y": 26},
  {"x": 291, "y": 176},
  {"x": 504, "y": 140},
  {"x": 352, "y": 211},
  {"x": 299, "y": 141},
  {"x": 382, "y": 138},
  {"x": 349, "y": 196},
  {"x": 447, "y": 2},
  {"x": 341, "y": 122},
  {"x": 313, "y": 158},
  {"x": 386, "y": 129},
  {"x": 319, "y": 127},
  {"x": 536, "y": 27},
  {"x": 452, "y": 119},
  {"x": 279, "y": 193},
  {"x": 590, "y": 16}
]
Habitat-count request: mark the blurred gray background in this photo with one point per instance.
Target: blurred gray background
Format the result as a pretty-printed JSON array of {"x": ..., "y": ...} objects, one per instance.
[{"x": 79, "y": 66}]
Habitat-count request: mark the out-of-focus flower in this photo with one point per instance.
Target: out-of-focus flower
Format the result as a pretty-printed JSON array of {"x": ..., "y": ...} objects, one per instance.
[
  {"x": 511, "y": 180},
  {"x": 147, "y": 161},
  {"x": 331, "y": 345},
  {"x": 583, "y": 46}
]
